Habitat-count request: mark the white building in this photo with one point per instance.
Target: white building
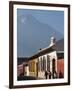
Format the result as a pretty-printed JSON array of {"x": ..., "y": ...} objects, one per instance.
[{"x": 47, "y": 61}]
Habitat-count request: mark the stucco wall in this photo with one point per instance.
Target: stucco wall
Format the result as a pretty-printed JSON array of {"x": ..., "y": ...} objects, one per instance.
[
  {"x": 19, "y": 69},
  {"x": 52, "y": 56},
  {"x": 32, "y": 67},
  {"x": 60, "y": 65}
]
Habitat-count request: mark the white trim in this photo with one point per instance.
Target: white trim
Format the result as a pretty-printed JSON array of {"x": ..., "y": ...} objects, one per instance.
[{"x": 60, "y": 51}]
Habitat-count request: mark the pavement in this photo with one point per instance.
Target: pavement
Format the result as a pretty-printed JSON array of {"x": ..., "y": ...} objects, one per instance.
[{"x": 19, "y": 78}]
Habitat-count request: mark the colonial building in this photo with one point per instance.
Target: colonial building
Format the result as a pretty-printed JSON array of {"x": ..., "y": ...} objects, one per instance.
[
  {"x": 60, "y": 63},
  {"x": 33, "y": 66},
  {"x": 49, "y": 59},
  {"x": 60, "y": 56},
  {"x": 47, "y": 62},
  {"x": 44, "y": 60}
]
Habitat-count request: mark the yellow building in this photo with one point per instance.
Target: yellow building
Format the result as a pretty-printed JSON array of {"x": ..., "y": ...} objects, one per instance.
[{"x": 33, "y": 67}]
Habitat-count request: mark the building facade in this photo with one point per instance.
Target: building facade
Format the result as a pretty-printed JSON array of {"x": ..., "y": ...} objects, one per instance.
[
  {"x": 44, "y": 60},
  {"x": 60, "y": 63},
  {"x": 33, "y": 67},
  {"x": 47, "y": 62},
  {"x": 49, "y": 59}
]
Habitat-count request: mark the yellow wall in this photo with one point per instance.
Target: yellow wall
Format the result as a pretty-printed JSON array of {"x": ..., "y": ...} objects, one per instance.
[{"x": 32, "y": 67}]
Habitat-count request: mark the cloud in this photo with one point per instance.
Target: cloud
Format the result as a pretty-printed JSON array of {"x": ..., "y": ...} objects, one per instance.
[{"x": 23, "y": 20}]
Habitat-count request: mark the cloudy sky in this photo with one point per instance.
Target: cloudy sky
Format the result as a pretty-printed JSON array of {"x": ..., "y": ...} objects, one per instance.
[{"x": 30, "y": 29}]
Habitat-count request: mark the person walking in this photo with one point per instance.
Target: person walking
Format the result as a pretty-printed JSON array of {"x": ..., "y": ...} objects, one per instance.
[
  {"x": 49, "y": 74},
  {"x": 60, "y": 75},
  {"x": 46, "y": 73},
  {"x": 55, "y": 74}
]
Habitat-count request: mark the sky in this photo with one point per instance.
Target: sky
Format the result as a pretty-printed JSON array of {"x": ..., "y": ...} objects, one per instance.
[{"x": 54, "y": 19}]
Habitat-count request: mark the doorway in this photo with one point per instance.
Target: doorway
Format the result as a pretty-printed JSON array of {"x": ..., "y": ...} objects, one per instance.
[
  {"x": 53, "y": 67},
  {"x": 36, "y": 69}
]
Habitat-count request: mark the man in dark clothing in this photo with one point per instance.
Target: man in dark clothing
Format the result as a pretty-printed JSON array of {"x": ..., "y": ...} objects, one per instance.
[
  {"x": 60, "y": 75},
  {"x": 55, "y": 74},
  {"x": 46, "y": 73},
  {"x": 49, "y": 73}
]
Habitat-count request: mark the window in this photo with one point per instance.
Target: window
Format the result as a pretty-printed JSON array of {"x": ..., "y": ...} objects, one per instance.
[
  {"x": 33, "y": 66},
  {"x": 44, "y": 63},
  {"x": 53, "y": 65},
  {"x": 41, "y": 64},
  {"x": 48, "y": 63},
  {"x": 30, "y": 66}
]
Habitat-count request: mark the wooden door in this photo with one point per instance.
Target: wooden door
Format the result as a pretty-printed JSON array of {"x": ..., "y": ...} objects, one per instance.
[{"x": 53, "y": 67}]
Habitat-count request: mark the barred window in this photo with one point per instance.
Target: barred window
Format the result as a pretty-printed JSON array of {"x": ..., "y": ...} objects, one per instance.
[
  {"x": 33, "y": 66},
  {"x": 44, "y": 63},
  {"x": 38, "y": 65},
  {"x": 41, "y": 64},
  {"x": 30, "y": 66},
  {"x": 48, "y": 63}
]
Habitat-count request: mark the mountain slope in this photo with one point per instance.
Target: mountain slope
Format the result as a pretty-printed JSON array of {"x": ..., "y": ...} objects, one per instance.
[
  {"x": 60, "y": 45},
  {"x": 32, "y": 35}
]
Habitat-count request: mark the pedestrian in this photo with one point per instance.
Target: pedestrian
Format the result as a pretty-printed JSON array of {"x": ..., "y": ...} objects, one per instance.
[
  {"x": 60, "y": 75},
  {"x": 55, "y": 74},
  {"x": 49, "y": 74},
  {"x": 46, "y": 73}
]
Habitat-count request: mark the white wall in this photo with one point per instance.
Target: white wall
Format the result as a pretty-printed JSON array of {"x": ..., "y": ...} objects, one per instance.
[{"x": 4, "y": 45}]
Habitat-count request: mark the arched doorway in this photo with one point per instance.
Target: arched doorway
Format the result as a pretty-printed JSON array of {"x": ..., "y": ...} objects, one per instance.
[
  {"x": 53, "y": 67},
  {"x": 37, "y": 69}
]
